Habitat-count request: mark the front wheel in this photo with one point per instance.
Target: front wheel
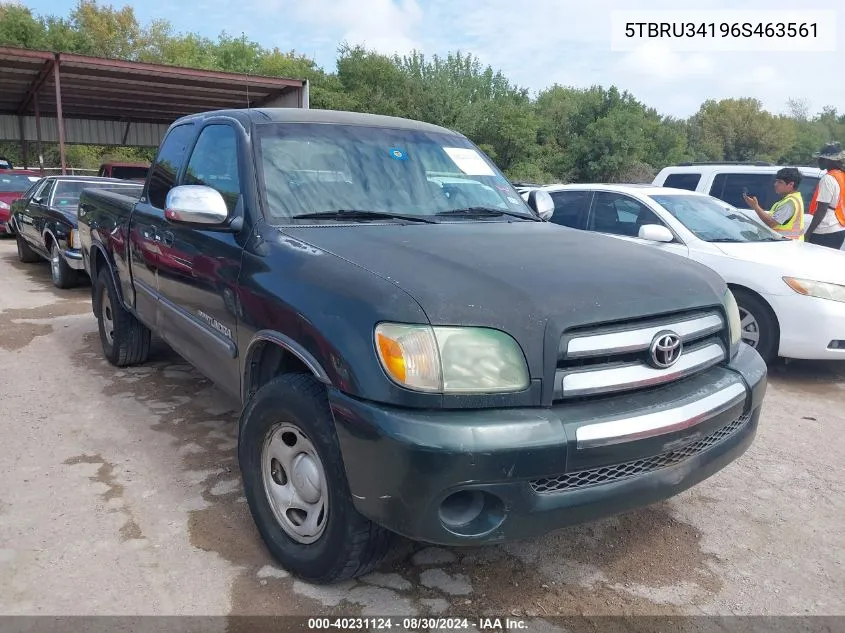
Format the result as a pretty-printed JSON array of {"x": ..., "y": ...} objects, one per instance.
[
  {"x": 63, "y": 275},
  {"x": 296, "y": 486},
  {"x": 759, "y": 327}
]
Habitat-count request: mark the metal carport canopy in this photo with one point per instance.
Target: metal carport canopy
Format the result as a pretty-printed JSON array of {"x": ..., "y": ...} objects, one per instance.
[{"x": 96, "y": 101}]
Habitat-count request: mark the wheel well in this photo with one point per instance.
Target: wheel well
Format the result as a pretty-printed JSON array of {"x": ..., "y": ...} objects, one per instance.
[
  {"x": 759, "y": 297},
  {"x": 268, "y": 360},
  {"x": 97, "y": 259}
]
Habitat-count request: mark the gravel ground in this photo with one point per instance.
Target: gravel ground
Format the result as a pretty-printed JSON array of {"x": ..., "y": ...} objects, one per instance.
[{"x": 120, "y": 495}]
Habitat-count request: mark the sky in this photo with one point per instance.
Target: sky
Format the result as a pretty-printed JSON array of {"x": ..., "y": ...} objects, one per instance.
[{"x": 536, "y": 43}]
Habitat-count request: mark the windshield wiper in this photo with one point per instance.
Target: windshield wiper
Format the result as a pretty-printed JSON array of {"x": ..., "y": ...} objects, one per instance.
[
  {"x": 725, "y": 239},
  {"x": 486, "y": 211},
  {"x": 358, "y": 214}
]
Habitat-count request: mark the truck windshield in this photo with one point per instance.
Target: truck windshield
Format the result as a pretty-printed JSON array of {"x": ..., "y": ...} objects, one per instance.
[
  {"x": 67, "y": 192},
  {"x": 714, "y": 221},
  {"x": 310, "y": 169}
]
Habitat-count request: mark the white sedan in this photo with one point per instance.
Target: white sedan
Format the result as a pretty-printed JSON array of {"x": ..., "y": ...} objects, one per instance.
[{"x": 791, "y": 295}]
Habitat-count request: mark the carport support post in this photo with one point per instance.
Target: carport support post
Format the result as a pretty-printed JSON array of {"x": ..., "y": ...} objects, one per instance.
[
  {"x": 24, "y": 152},
  {"x": 60, "y": 123},
  {"x": 38, "y": 134}
]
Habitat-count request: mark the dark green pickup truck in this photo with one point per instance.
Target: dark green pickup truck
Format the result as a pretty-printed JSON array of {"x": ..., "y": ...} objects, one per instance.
[{"x": 416, "y": 351}]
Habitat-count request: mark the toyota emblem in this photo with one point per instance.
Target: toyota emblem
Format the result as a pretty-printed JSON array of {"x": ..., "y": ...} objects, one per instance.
[{"x": 665, "y": 350}]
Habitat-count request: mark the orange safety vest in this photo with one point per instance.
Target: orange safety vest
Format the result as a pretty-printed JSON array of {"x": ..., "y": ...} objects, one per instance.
[{"x": 839, "y": 175}]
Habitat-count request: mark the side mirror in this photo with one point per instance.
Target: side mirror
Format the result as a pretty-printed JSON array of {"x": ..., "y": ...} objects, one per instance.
[
  {"x": 542, "y": 203},
  {"x": 195, "y": 204},
  {"x": 655, "y": 233},
  {"x": 38, "y": 200}
]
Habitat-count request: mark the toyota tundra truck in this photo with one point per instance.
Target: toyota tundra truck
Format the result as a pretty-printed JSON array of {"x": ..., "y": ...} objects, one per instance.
[{"x": 416, "y": 352}]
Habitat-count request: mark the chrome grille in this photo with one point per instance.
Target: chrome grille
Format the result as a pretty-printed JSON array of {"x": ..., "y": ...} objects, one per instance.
[
  {"x": 617, "y": 472},
  {"x": 614, "y": 358}
]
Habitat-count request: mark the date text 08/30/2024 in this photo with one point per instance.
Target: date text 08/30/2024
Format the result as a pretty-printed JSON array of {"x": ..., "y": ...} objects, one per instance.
[{"x": 417, "y": 624}]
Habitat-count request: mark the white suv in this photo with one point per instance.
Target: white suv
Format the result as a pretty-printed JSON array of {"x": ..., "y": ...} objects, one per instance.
[{"x": 727, "y": 181}]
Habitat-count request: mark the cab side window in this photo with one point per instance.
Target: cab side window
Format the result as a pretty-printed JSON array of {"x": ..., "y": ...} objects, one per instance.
[
  {"x": 45, "y": 192},
  {"x": 688, "y": 181},
  {"x": 169, "y": 161},
  {"x": 570, "y": 208},
  {"x": 729, "y": 188},
  {"x": 617, "y": 214},
  {"x": 214, "y": 163}
]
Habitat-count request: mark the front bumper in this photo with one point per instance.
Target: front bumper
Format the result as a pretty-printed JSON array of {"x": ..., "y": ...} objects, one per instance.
[
  {"x": 521, "y": 472},
  {"x": 808, "y": 325},
  {"x": 73, "y": 258}
]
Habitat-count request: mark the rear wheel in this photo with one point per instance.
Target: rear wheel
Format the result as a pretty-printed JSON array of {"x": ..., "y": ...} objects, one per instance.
[
  {"x": 759, "y": 327},
  {"x": 296, "y": 486},
  {"x": 25, "y": 253},
  {"x": 63, "y": 275},
  {"x": 125, "y": 340}
]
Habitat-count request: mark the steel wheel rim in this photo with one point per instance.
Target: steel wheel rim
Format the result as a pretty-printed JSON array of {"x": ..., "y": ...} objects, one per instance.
[
  {"x": 54, "y": 262},
  {"x": 295, "y": 483},
  {"x": 107, "y": 315},
  {"x": 749, "y": 327}
]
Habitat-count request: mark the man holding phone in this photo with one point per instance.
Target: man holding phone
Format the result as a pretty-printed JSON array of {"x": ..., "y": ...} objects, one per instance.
[
  {"x": 828, "y": 203},
  {"x": 787, "y": 214}
]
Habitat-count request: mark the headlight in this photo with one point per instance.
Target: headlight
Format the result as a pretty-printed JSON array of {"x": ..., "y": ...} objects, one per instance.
[
  {"x": 73, "y": 240},
  {"x": 451, "y": 359},
  {"x": 734, "y": 322},
  {"x": 819, "y": 289},
  {"x": 4, "y": 206}
]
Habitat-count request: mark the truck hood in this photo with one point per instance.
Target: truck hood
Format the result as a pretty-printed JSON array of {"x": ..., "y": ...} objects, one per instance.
[
  {"x": 520, "y": 277},
  {"x": 795, "y": 259}
]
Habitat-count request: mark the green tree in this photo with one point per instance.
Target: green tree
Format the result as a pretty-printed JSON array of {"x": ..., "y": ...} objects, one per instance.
[{"x": 739, "y": 130}]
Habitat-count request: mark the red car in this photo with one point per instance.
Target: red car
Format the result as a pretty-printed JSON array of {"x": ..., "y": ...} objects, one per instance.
[{"x": 13, "y": 184}]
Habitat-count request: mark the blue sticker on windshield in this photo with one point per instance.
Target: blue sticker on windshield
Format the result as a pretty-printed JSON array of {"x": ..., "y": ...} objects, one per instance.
[{"x": 398, "y": 154}]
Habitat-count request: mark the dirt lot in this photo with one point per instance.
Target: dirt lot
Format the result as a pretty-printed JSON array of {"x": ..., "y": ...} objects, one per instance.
[{"x": 120, "y": 494}]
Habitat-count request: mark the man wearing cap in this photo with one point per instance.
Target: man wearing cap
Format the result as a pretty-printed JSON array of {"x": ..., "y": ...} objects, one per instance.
[
  {"x": 828, "y": 204},
  {"x": 787, "y": 214}
]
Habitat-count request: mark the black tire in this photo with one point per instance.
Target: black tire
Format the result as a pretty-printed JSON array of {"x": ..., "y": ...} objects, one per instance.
[
  {"x": 350, "y": 545},
  {"x": 129, "y": 341},
  {"x": 763, "y": 322},
  {"x": 25, "y": 253},
  {"x": 63, "y": 275}
]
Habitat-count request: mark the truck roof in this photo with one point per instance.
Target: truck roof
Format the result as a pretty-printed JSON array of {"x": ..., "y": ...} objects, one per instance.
[{"x": 258, "y": 116}]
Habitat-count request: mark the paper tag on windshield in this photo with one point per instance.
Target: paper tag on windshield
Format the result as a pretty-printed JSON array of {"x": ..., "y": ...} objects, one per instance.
[{"x": 469, "y": 161}]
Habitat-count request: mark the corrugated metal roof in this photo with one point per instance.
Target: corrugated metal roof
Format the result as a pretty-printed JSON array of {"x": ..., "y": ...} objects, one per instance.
[{"x": 108, "y": 89}]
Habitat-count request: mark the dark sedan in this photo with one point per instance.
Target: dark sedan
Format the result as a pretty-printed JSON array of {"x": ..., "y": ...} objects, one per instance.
[{"x": 45, "y": 222}]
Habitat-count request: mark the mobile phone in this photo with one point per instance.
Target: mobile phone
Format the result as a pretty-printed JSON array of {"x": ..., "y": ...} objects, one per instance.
[{"x": 745, "y": 191}]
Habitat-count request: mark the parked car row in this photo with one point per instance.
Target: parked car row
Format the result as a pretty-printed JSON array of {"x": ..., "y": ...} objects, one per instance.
[{"x": 44, "y": 222}]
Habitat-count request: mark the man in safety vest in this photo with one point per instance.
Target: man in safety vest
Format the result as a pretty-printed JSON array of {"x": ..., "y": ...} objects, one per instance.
[
  {"x": 827, "y": 205},
  {"x": 787, "y": 214}
]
